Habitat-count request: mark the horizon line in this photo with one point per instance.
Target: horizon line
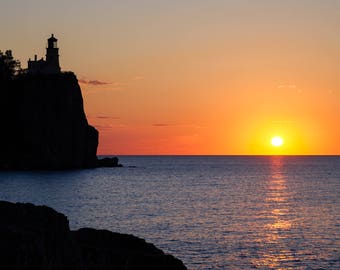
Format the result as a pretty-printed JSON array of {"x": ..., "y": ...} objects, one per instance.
[{"x": 227, "y": 155}]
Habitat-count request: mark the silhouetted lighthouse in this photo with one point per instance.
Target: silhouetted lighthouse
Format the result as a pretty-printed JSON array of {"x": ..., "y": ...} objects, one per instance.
[
  {"x": 48, "y": 66},
  {"x": 52, "y": 55}
]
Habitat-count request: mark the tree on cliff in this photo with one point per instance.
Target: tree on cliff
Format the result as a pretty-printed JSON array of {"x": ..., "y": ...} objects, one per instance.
[{"x": 9, "y": 67}]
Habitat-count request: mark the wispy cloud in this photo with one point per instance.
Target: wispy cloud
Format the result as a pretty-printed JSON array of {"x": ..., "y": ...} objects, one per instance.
[
  {"x": 160, "y": 125},
  {"x": 96, "y": 86},
  {"x": 103, "y": 117},
  {"x": 283, "y": 122},
  {"x": 103, "y": 127},
  {"x": 109, "y": 126},
  {"x": 289, "y": 86},
  {"x": 107, "y": 117},
  {"x": 182, "y": 125},
  {"x": 138, "y": 78},
  {"x": 93, "y": 82}
]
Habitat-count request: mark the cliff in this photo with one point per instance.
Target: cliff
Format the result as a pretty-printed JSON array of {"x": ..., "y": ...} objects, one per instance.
[
  {"x": 39, "y": 238},
  {"x": 43, "y": 124}
]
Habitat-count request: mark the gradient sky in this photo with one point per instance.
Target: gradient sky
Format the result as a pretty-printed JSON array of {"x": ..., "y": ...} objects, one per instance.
[{"x": 194, "y": 76}]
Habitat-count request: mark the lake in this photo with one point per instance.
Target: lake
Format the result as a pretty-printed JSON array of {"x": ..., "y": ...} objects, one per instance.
[{"x": 212, "y": 212}]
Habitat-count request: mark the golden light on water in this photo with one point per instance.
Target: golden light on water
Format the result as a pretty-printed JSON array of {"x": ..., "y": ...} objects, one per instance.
[{"x": 277, "y": 201}]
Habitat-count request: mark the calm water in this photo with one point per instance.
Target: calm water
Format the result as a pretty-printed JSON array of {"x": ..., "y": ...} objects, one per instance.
[{"x": 211, "y": 212}]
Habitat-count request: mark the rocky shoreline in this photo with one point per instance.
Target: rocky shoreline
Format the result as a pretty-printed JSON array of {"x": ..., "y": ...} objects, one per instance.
[{"x": 39, "y": 238}]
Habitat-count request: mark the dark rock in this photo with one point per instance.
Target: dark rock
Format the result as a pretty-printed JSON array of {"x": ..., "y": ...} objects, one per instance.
[
  {"x": 100, "y": 248},
  {"x": 38, "y": 238},
  {"x": 43, "y": 124},
  {"x": 109, "y": 162},
  {"x": 34, "y": 237}
]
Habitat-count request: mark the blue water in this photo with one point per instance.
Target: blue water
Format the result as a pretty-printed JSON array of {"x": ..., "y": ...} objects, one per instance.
[{"x": 211, "y": 212}]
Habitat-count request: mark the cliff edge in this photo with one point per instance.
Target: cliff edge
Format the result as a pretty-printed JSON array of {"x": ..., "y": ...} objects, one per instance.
[
  {"x": 43, "y": 124},
  {"x": 39, "y": 238}
]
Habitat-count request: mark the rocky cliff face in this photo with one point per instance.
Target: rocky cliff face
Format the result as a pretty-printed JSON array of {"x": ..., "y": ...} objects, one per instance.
[
  {"x": 38, "y": 238},
  {"x": 44, "y": 125}
]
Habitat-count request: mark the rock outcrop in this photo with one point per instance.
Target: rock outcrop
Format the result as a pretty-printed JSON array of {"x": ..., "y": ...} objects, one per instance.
[
  {"x": 43, "y": 124},
  {"x": 39, "y": 238},
  {"x": 109, "y": 162}
]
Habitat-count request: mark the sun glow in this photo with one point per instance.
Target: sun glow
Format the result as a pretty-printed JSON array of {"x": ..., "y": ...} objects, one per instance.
[{"x": 277, "y": 141}]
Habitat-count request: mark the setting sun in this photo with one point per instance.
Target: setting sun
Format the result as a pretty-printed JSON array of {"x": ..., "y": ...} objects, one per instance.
[{"x": 277, "y": 141}]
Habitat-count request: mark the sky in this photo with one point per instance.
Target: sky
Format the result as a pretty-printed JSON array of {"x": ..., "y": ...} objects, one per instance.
[{"x": 193, "y": 77}]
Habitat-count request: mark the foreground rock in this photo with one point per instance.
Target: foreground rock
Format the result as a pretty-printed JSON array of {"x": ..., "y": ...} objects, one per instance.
[{"x": 39, "y": 238}]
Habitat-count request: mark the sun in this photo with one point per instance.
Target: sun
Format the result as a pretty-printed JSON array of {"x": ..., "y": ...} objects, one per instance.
[{"x": 277, "y": 141}]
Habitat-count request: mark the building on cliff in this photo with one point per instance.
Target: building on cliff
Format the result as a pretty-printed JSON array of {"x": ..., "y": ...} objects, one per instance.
[{"x": 51, "y": 64}]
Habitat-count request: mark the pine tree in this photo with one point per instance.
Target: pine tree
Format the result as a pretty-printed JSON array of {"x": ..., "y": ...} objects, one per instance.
[{"x": 9, "y": 67}]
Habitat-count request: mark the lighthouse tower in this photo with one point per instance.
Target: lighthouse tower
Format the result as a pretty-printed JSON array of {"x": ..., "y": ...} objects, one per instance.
[
  {"x": 48, "y": 66},
  {"x": 52, "y": 56}
]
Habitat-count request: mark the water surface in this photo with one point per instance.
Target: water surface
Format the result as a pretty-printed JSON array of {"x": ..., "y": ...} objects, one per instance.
[{"x": 216, "y": 212}]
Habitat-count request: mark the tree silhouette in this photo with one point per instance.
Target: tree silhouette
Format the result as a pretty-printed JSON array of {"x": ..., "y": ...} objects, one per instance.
[{"x": 9, "y": 67}]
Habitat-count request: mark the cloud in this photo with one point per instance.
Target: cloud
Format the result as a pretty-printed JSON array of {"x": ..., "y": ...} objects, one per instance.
[
  {"x": 160, "y": 125},
  {"x": 99, "y": 86},
  {"x": 138, "y": 78},
  {"x": 291, "y": 86},
  {"x": 96, "y": 86},
  {"x": 103, "y": 117},
  {"x": 109, "y": 127},
  {"x": 182, "y": 125},
  {"x": 107, "y": 117},
  {"x": 93, "y": 82},
  {"x": 283, "y": 122},
  {"x": 103, "y": 127}
]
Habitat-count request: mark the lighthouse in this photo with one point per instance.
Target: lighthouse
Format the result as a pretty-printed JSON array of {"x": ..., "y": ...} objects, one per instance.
[
  {"x": 51, "y": 64},
  {"x": 52, "y": 55}
]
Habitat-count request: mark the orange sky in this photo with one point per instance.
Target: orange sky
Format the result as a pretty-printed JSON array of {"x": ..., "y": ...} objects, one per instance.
[{"x": 195, "y": 77}]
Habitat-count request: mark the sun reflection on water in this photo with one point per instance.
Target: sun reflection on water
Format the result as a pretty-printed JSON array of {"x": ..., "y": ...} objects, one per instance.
[{"x": 277, "y": 201}]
